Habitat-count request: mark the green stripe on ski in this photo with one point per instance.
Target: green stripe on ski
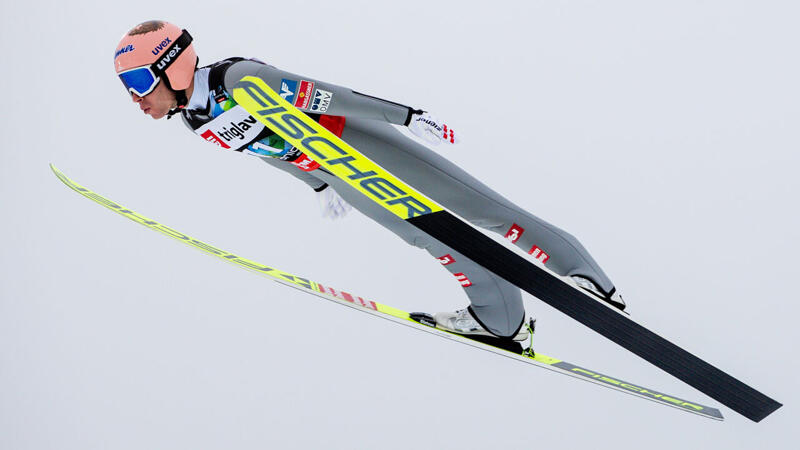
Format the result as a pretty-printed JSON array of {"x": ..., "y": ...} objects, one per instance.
[{"x": 388, "y": 312}]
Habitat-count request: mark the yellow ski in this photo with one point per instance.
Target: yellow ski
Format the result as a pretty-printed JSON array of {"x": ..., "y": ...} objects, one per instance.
[{"x": 390, "y": 313}]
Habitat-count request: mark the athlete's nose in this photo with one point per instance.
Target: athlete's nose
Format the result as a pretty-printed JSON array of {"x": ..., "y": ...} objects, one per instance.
[{"x": 136, "y": 98}]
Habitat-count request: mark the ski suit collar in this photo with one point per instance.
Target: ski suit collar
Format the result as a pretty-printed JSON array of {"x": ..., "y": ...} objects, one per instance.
[{"x": 199, "y": 98}]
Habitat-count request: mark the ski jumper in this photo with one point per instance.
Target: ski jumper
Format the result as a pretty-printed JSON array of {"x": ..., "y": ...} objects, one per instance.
[{"x": 368, "y": 124}]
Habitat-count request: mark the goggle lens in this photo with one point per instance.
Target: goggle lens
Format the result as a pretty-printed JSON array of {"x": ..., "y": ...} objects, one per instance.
[{"x": 141, "y": 80}]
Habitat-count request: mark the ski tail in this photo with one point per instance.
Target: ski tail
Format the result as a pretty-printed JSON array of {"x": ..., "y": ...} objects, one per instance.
[{"x": 605, "y": 320}]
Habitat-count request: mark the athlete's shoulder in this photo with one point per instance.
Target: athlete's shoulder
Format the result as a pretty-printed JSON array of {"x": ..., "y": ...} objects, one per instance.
[{"x": 242, "y": 68}]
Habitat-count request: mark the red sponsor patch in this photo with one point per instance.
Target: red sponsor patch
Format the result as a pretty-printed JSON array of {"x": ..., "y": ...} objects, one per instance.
[
  {"x": 448, "y": 134},
  {"x": 463, "y": 279},
  {"x": 304, "y": 94},
  {"x": 348, "y": 297},
  {"x": 539, "y": 254},
  {"x": 214, "y": 139},
  {"x": 334, "y": 124},
  {"x": 446, "y": 259},
  {"x": 305, "y": 163},
  {"x": 514, "y": 233}
]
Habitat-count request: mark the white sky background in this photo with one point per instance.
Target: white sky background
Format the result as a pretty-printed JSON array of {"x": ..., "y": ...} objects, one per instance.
[{"x": 664, "y": 135}]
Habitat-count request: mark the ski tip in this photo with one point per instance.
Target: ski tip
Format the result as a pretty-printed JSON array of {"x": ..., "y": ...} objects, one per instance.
[{"x": 56, "y": 171}]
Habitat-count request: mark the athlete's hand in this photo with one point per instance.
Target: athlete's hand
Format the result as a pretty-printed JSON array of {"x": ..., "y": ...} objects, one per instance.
[
  {"x": 432, "y": 130},
  {"x": 331, "y": 205}
]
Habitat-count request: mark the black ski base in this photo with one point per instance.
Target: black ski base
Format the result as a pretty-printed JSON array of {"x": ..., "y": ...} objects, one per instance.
[{"x": 676, "y": 361}]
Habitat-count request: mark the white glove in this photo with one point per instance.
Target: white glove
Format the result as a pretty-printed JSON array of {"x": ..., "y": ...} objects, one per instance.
[
  {"x": 431, "y": 130},
  {"x": 331, "y": 204}
]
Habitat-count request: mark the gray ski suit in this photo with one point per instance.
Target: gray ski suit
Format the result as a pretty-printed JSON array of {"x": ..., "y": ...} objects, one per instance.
[{"x": 369, "y": 126}]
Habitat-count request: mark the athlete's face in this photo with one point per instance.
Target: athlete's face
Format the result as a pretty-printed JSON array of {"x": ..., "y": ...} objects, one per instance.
[{"x": 157, "y": 103}]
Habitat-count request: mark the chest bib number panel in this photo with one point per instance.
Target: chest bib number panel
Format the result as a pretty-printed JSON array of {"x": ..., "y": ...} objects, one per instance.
[{"x": 233, "y": 129}]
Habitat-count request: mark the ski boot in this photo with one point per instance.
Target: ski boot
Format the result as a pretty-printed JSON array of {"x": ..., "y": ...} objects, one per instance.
[
  {"x": 613, "y": 298},
  {"x": 462, "y": 323}
]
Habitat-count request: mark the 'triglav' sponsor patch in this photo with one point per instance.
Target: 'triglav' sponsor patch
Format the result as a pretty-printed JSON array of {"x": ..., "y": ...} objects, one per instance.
[{"x": 235, "y": 128}]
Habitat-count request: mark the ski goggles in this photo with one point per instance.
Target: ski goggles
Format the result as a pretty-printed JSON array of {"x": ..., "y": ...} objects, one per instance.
[
  {"x": 140, "y": 80},
  {"x": 143, "y": 80}
]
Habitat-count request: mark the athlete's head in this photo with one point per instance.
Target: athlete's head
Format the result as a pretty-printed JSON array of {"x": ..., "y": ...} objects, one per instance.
[{"x": 156, "y": 62}]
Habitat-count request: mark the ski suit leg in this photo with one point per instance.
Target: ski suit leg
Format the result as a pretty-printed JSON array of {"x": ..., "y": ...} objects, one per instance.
[
  {"x": 497, "y": 302},
  {"x": 449, "y": 185}
]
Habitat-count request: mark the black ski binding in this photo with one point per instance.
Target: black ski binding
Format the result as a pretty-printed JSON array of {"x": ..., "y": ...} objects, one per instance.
[{"x": 423, "y": 318}]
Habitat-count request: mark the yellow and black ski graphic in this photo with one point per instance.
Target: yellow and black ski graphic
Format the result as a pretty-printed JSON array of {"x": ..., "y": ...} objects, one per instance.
[
  {"x": 330, "y": 151},
  {"x": 389, "y": 313}
]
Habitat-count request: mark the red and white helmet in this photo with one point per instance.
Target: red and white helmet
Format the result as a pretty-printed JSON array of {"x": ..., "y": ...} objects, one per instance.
[{"x": 164, "y": 47}]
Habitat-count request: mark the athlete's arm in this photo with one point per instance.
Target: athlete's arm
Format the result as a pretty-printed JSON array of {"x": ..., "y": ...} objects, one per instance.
[
  {"x": 306, "y": 177},
  {"x": 314, "y": 96}
]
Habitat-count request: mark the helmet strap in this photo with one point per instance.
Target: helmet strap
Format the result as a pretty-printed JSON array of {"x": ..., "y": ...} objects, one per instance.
[
  {"x": 169, "y": 56},
  {"x": 180, "y": 96}
]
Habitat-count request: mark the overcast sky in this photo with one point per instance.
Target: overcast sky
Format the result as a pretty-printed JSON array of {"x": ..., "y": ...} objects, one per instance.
[{"x": 664, "y": 135}]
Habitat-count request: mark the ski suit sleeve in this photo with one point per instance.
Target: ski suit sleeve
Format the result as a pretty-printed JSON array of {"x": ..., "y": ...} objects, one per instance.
[
  {"x": 306, "y": 177},
  {"x": 343, "y": 101}
]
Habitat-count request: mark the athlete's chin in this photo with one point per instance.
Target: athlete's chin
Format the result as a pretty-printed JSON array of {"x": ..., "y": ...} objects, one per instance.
[{"x": 156, "y": 114}]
